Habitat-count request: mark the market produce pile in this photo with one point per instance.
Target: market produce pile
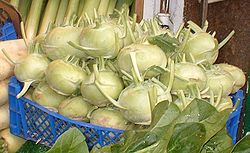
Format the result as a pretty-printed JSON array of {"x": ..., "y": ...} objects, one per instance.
[{"x": 101, "y": 66}]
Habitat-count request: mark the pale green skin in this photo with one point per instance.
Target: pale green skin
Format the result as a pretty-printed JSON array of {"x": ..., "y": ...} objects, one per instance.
[
  {"x": 135, "y": 98},
  {"x": 216, "y": 78},
  {"x": 56, "y": 42},
  {"x": 47, "y": 97},
  {"x": 108, "y": 117},
  {"x": 147, "y": 55},
  {"x": 110, "y": 83},
  {"x": 31, "y": 68},
  {"x": 76, "y": 108},
  {"x": 188, "y": 71},
  {"x": 63, "y": 77},
  {"x": 237, "y": 74},
  {"x": 202, "y": 46},
  {"x": 102, "y": 38}
]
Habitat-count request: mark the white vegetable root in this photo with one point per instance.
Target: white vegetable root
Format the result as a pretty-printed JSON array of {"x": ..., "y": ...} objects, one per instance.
[
  {"x": 3, "y": 92},
  {"x": 5, "y": 117}
]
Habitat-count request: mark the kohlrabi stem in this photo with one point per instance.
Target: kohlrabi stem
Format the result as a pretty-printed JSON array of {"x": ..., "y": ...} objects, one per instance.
[
  {"x": 89, "y": 7},
  {"x": 135, "y": 67},
  {"x": 192, "y": 57},
  {"x": 156, "y": 81},
  {"x": 33, "y": 19},
  {"x": 184, "y": 58},
  {"x": 171, "y": 78},
  {"x": 24, "y": 9},
  {"x": 61, "y": 12},
  {"x": 213, "y": 34},
  {"x": 194, "y": 27},
  {"x": 112, "y": 66},
  {"x": 103, "y": 7},
  {"x": 91, "y": 111},
  {"x": 221, "y": 44},
  {"x": 96, "y": 72},
  {"x": 130, "y": 31},
  {"x": 49, "y": 15},
  {"x": 111, "y": 6},
  {"x": 152, "y": 95},
  {"x": 211, "y": 97},
  {"x": 71, "y": 10},
  {"x": 185, "y": 40},
  {"x": 8, "y": 57},
  {"x": 82, "y": 48},
  {"x": 135, "y": 79},
  {"x": 179, "y": 30},
  {"x": 114, "y": 102},
  {"x": 204, "y": 28},
  {"x": 117, "y": 43},
  {"x": 101, "y": 64},
  {"x": 25, "y": 89},
  {"x": 205, "y": 90},
  {"x": 153, "y": 27},
  {"x": 218, "y": 100},
  {"x": 127, "y": 74},
  {"x": 182, "y": 97}
]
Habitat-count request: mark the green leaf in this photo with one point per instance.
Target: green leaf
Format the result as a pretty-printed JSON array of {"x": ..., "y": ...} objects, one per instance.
[
  {"x": 71, "y": 141},
  {"x": 219, "y": 143},
  {"x": 187, "y": 138},
  {"x": 216, "y": 122},
  {"x": 243, "y": 146},
  {"x": 165, "y": 42},
  {"x": 196, "y": 111}
]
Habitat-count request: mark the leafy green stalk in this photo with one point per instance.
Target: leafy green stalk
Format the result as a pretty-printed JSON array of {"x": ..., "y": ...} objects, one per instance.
[
  {"x": 33, "y": 19},
  {"x": 23, "y": 8},
  {"x": 89, "y": 7},
  {"x": 103, "y": 7},
  {"x": 71, "y": 11},
  {"x": 61, "y": 12},
  {"x": 80, "y": 8},
  {"x": 49, "y": 15},
  {"x": 111, "y": 6}
]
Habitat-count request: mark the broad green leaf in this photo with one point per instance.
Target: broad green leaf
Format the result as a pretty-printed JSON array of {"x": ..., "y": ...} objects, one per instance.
[
  {"x": 105, "y": 149},
  {"x": 196, "y": 111},
  {"x": 136, "y": 140},
  {"x": 219, "y": 143},
  {"x": 216, "y": 122},
  {"x": 243, "y": 146},
  {"x": 71, "y": 141},
  {"x": 187, "y": 138}
]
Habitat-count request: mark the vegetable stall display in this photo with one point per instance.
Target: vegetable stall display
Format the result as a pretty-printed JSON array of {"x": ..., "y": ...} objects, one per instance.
[{"x": 93, "y": 64}]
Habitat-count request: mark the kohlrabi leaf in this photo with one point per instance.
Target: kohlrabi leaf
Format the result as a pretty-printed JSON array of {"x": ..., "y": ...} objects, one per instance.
[
  {"x": 221, "y": 142},
  {"x": 196, "y": 111},
  {"x": 243, "y": 146},
  {"x": 216, "y": 122},
  {"x": 187, "y": 138},
  {"x": 165, "y": 42},
  {"x": 71, "y": 141}
]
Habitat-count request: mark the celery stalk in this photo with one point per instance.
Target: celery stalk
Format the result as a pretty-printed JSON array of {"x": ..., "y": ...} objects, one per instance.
[
  {"x": 111, "y": 7},
  {"x": 49, "y": 15},
  {"x": 32, "y": 22},
  {"x": 61, "y": 12},
  {"x": 71, "y": 10},
  {"x": 103, "y": 7},
  {"x": 15, "y": 3},
  {"x": 80, "y": 8},
  {"x": 24, "y": 6},
  {"x": 89, "y": 7}
]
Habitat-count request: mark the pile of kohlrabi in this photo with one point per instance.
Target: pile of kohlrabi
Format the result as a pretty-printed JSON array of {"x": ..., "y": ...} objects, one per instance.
[{"x": 111, "y": 71}]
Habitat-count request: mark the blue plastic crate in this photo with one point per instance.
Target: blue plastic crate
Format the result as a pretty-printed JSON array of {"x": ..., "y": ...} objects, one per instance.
[
  {"x": 7, "y": 31},
  {"x": 34, "y": 122},
  {"x": 234, "y": 119}
]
